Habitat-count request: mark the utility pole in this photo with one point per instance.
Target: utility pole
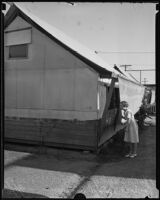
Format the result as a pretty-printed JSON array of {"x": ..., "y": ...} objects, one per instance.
[
  {"x": 140, "y": 70},
  {"x": 125, "y": 66},
  {"x": 145, "y": 81}
]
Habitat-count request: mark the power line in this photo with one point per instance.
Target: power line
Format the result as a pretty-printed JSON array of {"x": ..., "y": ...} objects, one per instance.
[
  {"x": 133, "y": 77},
  {"x": 140, "y": 70},
  {"x": 125, "y": 66},
  {"x": 144, "y": 64},
  {"x": 135, "y": 64},
  {"x": 127, "y": 52}
]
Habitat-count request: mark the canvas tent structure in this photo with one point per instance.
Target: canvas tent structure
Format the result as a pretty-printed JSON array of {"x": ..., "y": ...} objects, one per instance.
[{"x": 57, "y": 92}]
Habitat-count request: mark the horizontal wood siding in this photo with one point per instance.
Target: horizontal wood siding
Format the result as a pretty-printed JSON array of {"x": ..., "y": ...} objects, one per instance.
[
  {"x": 24, "y": 129},
  {"x": 53, "y": 132}
]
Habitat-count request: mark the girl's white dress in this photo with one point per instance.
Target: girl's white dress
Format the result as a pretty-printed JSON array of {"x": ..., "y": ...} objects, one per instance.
[{"x": 131, "y": 131}]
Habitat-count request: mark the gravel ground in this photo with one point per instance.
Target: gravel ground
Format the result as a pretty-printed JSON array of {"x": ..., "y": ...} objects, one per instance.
[{"x": 56, "y": 173}]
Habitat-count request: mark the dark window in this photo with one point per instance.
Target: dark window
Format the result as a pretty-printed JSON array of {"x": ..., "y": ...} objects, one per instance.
[
  {"x": 112, "y": 102},
  {"x": 115, "y": 99},
  {"x": 18, "y": 51},
  {"x": 117, "y": 104}
]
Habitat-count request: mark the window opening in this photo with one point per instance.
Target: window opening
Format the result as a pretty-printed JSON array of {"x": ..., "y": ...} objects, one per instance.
[{"x": 18, "y": 51}]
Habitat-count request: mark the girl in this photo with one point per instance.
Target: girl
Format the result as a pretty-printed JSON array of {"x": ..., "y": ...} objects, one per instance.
[{"x": 131, "y": 130}]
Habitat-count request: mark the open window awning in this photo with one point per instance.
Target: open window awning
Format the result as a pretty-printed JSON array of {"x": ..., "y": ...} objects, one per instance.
[{"x": 131, "y": 92}]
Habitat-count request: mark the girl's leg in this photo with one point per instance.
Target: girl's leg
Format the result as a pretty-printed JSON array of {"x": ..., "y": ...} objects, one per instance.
[
  {"x": 130, "y": 148},
  {"x": 134, "y": 148}
]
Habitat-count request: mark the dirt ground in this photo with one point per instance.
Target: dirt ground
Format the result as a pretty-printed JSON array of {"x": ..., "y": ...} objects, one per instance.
[{"x": 56, "y": 173}]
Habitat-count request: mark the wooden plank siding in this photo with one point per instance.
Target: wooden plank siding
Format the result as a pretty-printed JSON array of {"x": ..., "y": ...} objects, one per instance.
[
  {"x": 52, "y": 132},
  {"x": 23, "y": 129}
]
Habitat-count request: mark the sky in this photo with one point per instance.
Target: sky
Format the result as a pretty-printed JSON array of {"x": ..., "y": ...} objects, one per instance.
[{"x": 121, "y": 33}]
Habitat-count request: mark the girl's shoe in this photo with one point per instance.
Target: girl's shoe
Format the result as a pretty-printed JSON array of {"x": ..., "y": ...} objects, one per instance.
[
  {"x": 133, "y": 155},
  {"x": 127, "y": 155}
]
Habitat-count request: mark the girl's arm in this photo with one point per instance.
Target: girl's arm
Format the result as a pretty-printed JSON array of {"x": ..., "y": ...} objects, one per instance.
[
  {"x": 129, "y": 115},
  {"x": 128, "y": 120},
  {"x": 123, "y": 121}
]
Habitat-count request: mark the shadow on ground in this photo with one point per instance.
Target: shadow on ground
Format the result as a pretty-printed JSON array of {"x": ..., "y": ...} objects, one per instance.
[
  {"x": 110, "y": 161},
  {"x": 18, "y": 194}
]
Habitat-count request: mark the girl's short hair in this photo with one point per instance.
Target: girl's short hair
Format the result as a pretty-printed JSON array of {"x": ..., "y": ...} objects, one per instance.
[{"x": 124, "y": 103}]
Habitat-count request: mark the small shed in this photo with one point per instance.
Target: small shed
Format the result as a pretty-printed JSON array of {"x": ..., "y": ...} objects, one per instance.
[{"x": 57, "y": 92}]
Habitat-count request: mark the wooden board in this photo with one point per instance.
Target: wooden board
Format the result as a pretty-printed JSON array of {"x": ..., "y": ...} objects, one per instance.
[
  {"x": 54, "y": 132},
  {"x": 109, "y": 132}
]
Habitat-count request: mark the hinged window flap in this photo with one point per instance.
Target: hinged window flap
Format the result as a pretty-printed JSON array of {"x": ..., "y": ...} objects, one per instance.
[{"x": 18, "y": 37}]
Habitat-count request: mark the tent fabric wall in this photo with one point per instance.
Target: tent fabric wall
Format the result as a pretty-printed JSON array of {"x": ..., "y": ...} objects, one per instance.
[
  {"x": 17, "y": 24},
  {"x": 50, "y": 83},
  {"x": 131, "y": 92},
  {"x": 50, "y": 96}
]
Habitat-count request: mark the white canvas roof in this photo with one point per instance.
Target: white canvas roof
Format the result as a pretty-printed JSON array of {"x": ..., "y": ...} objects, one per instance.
[
  {"x": 70, "y": 42},
  {"x": 127, "y": 75}
]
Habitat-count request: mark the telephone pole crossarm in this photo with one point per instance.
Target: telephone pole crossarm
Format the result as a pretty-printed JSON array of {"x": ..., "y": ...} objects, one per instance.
[{"x": 125, "y": 66}]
